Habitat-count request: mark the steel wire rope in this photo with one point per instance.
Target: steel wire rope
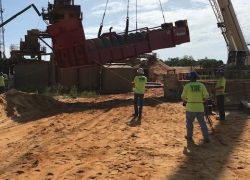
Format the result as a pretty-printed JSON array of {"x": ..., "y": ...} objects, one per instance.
[
  {"x": 162, "y": 12},
  {"x": 127, "y": 20},
  {"x": 122, "y": 77},
  {"x": 200, "y": 157},
  {"x": 105, "y": 10},
  {"x": 127, "y": 80},
  {"x": 128, "y": 9},
  {"x": 136, "y": 15},
  {"x": 103, "y": 16}
]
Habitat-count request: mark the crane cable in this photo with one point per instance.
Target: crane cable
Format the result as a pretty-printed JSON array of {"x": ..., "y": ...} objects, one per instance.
[
  {"x": 162, "y": 11},
  {"x": 127, "y": 21},
  {"x": 136, "y": 12},
  {"x": 101, "y": 25}
]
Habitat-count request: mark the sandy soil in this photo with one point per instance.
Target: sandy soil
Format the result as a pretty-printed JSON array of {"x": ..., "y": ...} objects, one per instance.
[{"x": 91, "y": 138}]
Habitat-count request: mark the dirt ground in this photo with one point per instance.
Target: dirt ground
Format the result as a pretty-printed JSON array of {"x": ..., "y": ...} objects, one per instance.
[{"x": 91, "y": 138}]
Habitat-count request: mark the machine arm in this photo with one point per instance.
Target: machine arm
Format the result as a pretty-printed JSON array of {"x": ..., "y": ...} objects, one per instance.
[
  {"x": 19, "y": 13},
  {"x": 231, "y": 30},
  {"x": 45, "y": 43}
]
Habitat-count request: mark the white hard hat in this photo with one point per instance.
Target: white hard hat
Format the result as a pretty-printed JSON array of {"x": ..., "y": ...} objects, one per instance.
[{"x": 140, "y": 71}]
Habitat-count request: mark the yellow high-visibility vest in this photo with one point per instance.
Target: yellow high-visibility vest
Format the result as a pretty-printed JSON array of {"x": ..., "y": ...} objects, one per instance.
[{"x": 2, "y": 83}]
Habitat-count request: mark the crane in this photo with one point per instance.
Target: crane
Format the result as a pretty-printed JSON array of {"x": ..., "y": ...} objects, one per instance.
[
  {"x": 238, "y": 52},
  {"x": 2, "y": 41},
  {"x": 72, "y": 49},
  {"x": 19, "y": 13}
]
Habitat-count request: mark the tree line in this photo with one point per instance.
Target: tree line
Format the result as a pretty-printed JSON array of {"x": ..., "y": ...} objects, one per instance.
[{"x": 190, "y": 61}]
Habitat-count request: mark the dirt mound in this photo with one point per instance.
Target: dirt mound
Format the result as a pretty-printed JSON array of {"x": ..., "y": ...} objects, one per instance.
[
  {"x": 2, "y": 105},
  {"x": 21, "y": 106}
]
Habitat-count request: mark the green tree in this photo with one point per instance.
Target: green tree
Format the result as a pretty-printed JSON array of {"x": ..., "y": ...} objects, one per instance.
[{"x": 190, "y": 61}]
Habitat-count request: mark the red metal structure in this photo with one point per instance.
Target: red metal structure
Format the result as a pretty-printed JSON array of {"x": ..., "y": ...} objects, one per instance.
[{"x": 72, "y": 49}]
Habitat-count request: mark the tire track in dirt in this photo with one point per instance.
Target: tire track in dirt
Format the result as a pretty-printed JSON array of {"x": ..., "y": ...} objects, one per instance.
[
  {"x": 90, "y": 123},
  {"x": 95, "y": 149},
  {"x": 99, "y": 144},
  {"x": 100, "y": 150},
  {"x": 90, "y": 134}
]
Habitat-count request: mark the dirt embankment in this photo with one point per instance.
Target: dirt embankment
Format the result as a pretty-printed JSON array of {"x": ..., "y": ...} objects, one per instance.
[
  {"x": 22, "y": 107},
  {"x": 91, "y": 138}
]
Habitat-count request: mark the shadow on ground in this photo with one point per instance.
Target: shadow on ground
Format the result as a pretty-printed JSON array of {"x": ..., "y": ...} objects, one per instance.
[
  {"x": 208, "y": 161},
  {"x": 24, "y": 107}
]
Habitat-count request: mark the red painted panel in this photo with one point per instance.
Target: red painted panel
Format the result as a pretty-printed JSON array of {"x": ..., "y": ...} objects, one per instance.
[
  {"x": 129, "y": 50},
  {"x": 117, "y": 54},
  {"x": 159, "y": 39},
  {"x": 142, "y": 47},
  {"x": 181, "y": 35},
  {"x": 72, "y": 49},
  {"x": 93, "y": 57},
  {"x": 105, "y": 55},
  {"x": 80, "y": 55}
]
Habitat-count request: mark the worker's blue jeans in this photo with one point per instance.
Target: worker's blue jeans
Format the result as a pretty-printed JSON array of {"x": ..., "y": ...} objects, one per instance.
[
  {"x": 138, "y": 104},
  {"x": 190, "y": 117}
]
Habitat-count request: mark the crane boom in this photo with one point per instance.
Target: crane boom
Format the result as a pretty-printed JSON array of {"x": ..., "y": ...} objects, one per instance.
[
  {"x": 238, "y": 52},
  {"x": 19, "y": 13}
]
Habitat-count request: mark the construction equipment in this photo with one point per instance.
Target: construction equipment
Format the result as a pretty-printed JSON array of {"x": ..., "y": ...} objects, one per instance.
[
  {"x": 209, "y": 104},
  {"x": 238, "y": 52},
  {"x": 2, "y": 41},
  {"x": 72, "y": 49},
  {"x": 29, "y": 47},
  {"x": 19, "y": 13},
  {"x": 61, "y": 9}
]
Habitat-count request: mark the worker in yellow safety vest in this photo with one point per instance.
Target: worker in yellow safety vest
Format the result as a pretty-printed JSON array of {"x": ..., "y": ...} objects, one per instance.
[
  {"x": 2, "y": 83},
  {"x": 139, "y": 88},
  {"x": 220, "y": 93},
  {"x": 194, "y": 95}
]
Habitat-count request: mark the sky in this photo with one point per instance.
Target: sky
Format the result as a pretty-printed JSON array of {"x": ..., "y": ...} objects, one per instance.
[{"x": 206, "y": 38}]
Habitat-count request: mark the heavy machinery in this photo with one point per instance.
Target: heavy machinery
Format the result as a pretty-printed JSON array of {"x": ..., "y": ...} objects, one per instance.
[
  {"x": 19, "y": 13},
  {"x": 72, "y": 49},
  {"x": 238, "y": 52},
  {"x": 30, "y": 46}
]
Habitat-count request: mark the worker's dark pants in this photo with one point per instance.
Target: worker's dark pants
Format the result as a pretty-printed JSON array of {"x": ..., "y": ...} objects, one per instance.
[
  {"x": 2, "y": 89},
  {"x": 138, "y": 104},
  {"x": 190, "y": 117},
  {"x": 220, "y": 105}
]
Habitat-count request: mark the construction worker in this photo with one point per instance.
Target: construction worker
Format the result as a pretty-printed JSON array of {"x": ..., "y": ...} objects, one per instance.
[
  {"x": 2, "y": 83},
  {"x": 220, "y": 93},
  {"x": 194, "y": 95},
  {"x": 139, "y": 88}
]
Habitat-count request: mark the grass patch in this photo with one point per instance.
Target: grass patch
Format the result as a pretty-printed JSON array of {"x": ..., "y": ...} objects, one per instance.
[{"x": 71, "y": 92}]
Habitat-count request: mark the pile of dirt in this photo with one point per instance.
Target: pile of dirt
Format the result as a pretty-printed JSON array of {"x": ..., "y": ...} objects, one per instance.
[
  {"x": 2, "y": 105},
  {"x": 21, "y": 106}
]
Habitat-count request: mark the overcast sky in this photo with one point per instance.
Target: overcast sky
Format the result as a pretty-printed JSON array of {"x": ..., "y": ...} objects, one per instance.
[{"x": 206, "y": 38}]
